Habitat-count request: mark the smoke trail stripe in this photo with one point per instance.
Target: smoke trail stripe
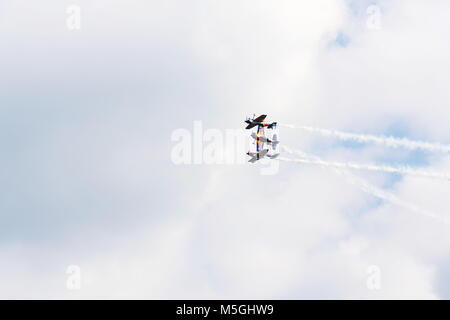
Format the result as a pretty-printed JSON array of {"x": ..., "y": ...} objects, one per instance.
[
  {"x": 371, "y": 167},
  {"x": 373, "y": 190},
  {"x": 380, "y": 140}
]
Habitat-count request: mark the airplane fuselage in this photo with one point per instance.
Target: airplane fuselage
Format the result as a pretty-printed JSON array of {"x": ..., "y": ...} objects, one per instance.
[{"x": 252, "y": 124}]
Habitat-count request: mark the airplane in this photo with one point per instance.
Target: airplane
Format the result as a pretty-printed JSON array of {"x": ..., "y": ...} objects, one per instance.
[
  {"x": 259, "y": 121},
  {"x": 261, "y": 154},
  {"x": 263, "y": 139},
  {"x": 257, "y": 155}
]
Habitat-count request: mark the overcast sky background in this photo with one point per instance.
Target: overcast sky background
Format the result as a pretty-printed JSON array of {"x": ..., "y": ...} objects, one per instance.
[{"x": 86, "y": 118}]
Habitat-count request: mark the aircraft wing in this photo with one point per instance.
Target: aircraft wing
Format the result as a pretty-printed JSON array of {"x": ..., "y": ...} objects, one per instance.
[
  {"x": 263, "y": 153},
  {"x": 260, "y": 118},
  {"x": 260, "y": 138},
  {"x": 251, "y": 125}
]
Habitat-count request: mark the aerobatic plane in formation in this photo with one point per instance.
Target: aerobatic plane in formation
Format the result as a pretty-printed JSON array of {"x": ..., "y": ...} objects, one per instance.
[
  {"x": 257, "y": 155},
  {"x": 259, "y": 121},
  {"x": 260, "y": 136}
]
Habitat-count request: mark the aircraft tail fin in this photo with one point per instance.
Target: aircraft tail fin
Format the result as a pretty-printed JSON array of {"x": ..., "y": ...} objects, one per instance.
[{"x": 275, "y": 142}]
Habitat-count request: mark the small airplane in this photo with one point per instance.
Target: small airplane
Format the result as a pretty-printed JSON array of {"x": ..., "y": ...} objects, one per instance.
[
  {"x": 259, "y": 121},
  {"x": 257, "y": 155},
  {"x": 261, "y": 154},
  {"x": 263, "y": 139}
]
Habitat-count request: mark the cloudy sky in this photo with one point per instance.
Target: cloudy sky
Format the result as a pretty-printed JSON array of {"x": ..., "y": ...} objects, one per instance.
[{"x": 88, "y": 182}]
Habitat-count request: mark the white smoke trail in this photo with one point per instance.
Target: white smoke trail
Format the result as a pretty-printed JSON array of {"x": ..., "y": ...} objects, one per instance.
[
  {"x": 381, "y": 140},
  {"x": 369, "y": 167},
  {"x": 374, "y": 191}
]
